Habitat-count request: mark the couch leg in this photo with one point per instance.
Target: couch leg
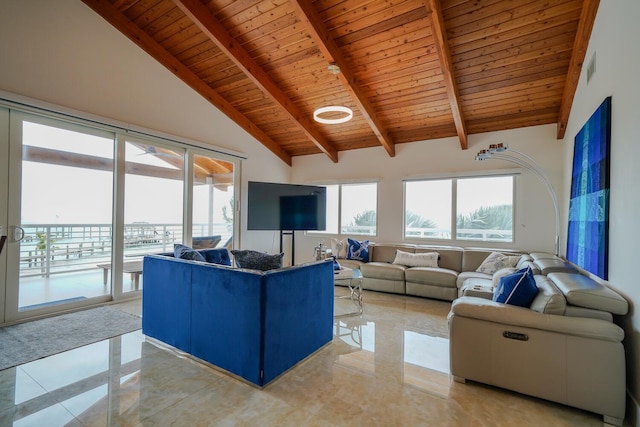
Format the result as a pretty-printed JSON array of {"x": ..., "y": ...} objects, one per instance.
[
  {"x": 459, "y": 379},
  {"x": 611, "y": 421}
]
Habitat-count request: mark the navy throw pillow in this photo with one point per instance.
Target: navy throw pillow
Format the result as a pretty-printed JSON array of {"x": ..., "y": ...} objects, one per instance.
[
  {"x": 518, "y": 288},
  {"x": 358, "y": 251},
  {"x": 186, "y": 252}
]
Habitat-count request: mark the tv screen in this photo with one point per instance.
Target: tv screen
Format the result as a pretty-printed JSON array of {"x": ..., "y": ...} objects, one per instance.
[{"x": 286, "y": 207}]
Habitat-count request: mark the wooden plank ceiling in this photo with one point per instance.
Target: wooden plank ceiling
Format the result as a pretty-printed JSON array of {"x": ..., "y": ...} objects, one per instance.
[{"x": 411, "y": 70}]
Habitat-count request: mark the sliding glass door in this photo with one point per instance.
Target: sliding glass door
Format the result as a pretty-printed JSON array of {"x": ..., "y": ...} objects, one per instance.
[
  {"x": 213, "y": 202},
  {"x": 82, "y": 205},
  {"x": 60, "y": 219},
  {"x": 153, "y": 205}
]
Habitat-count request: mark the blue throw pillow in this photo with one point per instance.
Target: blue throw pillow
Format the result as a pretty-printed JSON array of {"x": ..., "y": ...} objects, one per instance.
[
  {"x": 518, "y": 288},
  {"x": 185, "y": 252},
  {"x": 358, "y": 251}
]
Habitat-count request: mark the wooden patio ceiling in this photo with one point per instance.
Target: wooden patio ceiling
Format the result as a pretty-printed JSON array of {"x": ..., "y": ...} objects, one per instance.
[{"x": 411, "y": 70}]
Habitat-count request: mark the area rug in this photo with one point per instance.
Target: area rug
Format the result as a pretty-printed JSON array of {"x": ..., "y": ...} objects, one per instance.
[{"x": 34, "y": 340}]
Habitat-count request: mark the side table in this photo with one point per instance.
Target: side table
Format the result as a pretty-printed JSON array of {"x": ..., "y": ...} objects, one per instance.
[{"x": 352, "y": 278}]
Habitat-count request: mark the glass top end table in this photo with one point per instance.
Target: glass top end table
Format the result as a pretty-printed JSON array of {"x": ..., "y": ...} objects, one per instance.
[{"x": 351, "y": 278}]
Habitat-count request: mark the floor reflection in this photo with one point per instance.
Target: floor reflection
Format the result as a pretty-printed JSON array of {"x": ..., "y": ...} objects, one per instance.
[{"x": 389, "y": 366}]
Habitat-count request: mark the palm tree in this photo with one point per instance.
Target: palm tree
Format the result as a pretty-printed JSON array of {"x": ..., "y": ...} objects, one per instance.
[
  {"x": 413, "y": 220},
  {"x": 228, "y": 218},
  {"x": 499, "y": 217},
  {"x": 361, "y": 221}
]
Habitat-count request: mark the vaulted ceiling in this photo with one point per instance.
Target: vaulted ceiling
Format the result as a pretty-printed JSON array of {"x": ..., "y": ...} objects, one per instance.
[{"x": 410, "y": 70}]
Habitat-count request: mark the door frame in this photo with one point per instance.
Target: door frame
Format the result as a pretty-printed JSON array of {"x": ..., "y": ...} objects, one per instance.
[{"x": 13, "y": 104}]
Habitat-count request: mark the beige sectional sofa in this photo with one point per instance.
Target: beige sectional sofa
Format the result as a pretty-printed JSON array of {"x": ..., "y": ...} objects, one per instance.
[
  {"x": 565, "y": 347},
  {"x": 442, "y": 282}
]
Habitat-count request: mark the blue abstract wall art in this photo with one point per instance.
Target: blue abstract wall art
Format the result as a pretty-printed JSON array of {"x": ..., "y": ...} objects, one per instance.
[{"x": 588, "y": 233}]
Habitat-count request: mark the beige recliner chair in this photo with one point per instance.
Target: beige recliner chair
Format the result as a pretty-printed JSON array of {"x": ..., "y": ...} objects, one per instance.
[{"x": 564, "y": 348}]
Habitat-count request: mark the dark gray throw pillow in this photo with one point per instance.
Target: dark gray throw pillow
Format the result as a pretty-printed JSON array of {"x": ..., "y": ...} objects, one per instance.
[
  {"x": 185, "y": 252},
  {"x": 257, "y": 260}
]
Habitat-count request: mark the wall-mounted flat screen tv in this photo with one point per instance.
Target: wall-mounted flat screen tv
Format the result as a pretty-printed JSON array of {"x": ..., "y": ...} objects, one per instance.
[{"x": 274, "y": 206}]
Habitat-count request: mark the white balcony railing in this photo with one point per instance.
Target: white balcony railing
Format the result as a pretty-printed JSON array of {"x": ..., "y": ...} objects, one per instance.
[{"x": 49, "y": 249}]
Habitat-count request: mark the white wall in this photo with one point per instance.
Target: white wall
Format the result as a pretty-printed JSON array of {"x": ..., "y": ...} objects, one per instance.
[
  {"x": 614, "y": 41},
  {"x": 63, "y": 53},
  {"x": 535, "y": 218}
]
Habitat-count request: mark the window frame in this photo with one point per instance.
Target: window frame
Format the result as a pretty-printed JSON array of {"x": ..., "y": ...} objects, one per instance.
[
  {"x": 339, "y": 232},
  {"x": 513, "y": 173}
]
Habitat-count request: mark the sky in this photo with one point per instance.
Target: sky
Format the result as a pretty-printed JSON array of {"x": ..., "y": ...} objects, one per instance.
[{"x": 70, "y": 195}]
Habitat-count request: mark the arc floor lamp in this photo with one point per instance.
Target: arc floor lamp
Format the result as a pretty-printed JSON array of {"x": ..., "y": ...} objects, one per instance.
[{"x": 503, "y": 152}]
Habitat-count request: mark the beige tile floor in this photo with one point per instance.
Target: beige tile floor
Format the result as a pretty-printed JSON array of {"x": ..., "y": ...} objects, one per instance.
[{"x": 388, "y": 367}]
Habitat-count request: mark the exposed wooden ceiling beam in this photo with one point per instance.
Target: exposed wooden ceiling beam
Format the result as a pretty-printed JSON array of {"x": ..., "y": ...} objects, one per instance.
[
  {"x": 135, "y": 34},
  {"x": 202, "y": 17},
  {"x": 85, "y": 161},
  {"x": 587, "y": 18},
  {"x": 310, "y": 17},
  {"x": 444, "y": 53}
]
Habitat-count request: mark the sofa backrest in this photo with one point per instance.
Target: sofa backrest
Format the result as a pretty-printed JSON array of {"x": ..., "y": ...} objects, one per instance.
[
  {"x": 549, "y": 299},
  {"x": 386, "y": 252},
  {"x": 472, "y": 258},
  {"x": 450, "y": 257},
  {"x": 263, "y": 322},
  {"x": 583, "y": 291},
  {"x": 549, "y": 263}
]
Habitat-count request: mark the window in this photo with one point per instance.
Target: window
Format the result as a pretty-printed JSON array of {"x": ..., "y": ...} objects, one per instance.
[
  {"x": 427, "y": 212},
  {"x": 473, "y": 208},
  {"x": 352, "y": 209}
]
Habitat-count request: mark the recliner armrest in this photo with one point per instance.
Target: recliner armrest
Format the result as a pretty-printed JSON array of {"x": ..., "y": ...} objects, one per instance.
[{"x": 491, "y": 311}]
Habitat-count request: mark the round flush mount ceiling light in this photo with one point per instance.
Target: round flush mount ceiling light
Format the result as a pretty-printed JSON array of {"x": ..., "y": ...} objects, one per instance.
[{"x": 333, "y": 109}]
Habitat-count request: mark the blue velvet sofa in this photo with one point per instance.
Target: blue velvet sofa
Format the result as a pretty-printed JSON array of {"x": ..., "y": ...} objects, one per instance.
[{"x": 253, "y": 324}]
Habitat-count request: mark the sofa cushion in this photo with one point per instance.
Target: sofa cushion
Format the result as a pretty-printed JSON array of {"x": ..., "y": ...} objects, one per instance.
[
  {"x": 518, "y": 289},
  {"x": 527, "y": 261},
  {"x": 358, "y": 250},
  {"x": 496, "y": 261},
  {"x": 543, "y": 255},
  {"x": 351, "y": 263},
  {"x": 549, "y": 299},
  {"x": 257, "y": 260},
  {"x": 583, "y": 291},
  {"x": 383, "y": 270},
  {"x": 575, "y": 311},
  {"x": 466, "y": 275},
  {"x": 554, "y": 265},
  {"x": 186, "y": 252},
  {"x": 441, "y": 277},
  {"x": 476, "y": 287},
  {"x": 426, "y": 259}
]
